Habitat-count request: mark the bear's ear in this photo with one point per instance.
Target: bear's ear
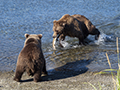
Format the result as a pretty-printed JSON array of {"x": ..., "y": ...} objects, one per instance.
[
  {"x": 27, "y": 35},
  {"x": 40, "y": 36},
  {"x": 54, "y": 21},
  {"x": 62, "y": 24}
]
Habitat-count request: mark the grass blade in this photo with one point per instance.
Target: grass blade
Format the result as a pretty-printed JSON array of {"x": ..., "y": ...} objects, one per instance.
[
  {"x": 108, "y": 61},
  {"x": 92, "y": 86}
]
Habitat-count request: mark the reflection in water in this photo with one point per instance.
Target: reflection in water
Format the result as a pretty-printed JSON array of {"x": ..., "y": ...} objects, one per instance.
[{"x": 61, "y": 57}]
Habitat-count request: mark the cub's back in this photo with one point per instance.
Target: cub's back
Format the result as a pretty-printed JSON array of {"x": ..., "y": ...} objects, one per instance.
[{"x": 30, "y": 51}]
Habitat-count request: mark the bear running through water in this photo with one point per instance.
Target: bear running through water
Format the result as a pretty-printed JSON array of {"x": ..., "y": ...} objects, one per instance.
[
  {"x": 31, "y": 59},
  {"x": 74, "y": 26}
]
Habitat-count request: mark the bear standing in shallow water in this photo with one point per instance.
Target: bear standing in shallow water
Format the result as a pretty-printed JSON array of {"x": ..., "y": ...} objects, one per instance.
[
  {"x": 74, "y": 26},
  {"x": 31, "y": 59}
]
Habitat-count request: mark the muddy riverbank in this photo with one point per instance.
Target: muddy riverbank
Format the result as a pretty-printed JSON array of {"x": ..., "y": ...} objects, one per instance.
[{"x": 57, "y": 81}]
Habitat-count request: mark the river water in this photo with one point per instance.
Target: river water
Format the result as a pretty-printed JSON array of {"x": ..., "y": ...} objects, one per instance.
[{"x": 18, "y": 17}]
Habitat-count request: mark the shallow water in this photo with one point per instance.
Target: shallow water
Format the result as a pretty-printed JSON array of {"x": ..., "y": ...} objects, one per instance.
[{"x": 36, "y": 17}]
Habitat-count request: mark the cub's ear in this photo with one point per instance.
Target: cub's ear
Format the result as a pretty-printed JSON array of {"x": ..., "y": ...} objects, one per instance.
[
  {"x": 54, "y": 21},
  {"x": 27, "y": 35},
  {"x": 40, "y": 36}
]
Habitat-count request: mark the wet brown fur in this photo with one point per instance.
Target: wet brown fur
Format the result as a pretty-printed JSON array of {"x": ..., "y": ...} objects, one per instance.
[{"x": 74, "y": 26}]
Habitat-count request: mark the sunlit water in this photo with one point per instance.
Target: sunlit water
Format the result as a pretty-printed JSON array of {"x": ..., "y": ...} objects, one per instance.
[{"x": 36, "y": 17}]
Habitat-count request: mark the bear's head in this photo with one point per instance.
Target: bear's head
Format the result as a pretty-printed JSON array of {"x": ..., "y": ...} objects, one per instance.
[
  {"x": 59, "y": 26},
  {"x": 33, "y": 38}
]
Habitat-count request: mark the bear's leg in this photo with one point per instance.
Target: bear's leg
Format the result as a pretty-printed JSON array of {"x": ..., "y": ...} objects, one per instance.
[
  {"x": 81, "y": 41},
  {"x": 97, "y": 35},
  {"x": 62, "y": 37},
  {"x": 18, "y": 73},
  {"x": 44, "y": 71},
  {"x": 37, "y": 76}
]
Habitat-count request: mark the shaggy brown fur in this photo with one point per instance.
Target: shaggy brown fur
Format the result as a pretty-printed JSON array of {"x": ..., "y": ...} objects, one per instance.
[
  {"x": 74, "y": 26},
  {"x": 31, "y": 59}
]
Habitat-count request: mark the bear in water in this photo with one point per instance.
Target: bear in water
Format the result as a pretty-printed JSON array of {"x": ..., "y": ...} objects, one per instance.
[{"x": 74, "y": 26}]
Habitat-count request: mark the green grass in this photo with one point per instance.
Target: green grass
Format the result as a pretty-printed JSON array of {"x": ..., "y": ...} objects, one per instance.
[
  {"x": 116, "y": 79},
  {"x": 118, "y": 71}
]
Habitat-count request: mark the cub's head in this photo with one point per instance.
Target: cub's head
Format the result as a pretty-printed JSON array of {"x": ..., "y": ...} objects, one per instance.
[
  {"x": 33, "y": 38},
  {"x": 58, "y": 27}
]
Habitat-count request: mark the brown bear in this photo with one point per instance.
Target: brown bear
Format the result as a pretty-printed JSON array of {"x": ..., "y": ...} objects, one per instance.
[
  {"x": 31, "y": 59},
  {"x": 74, "y": 26}
]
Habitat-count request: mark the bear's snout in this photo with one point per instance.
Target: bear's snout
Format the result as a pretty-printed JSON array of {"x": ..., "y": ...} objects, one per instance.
[{"x": 54, "y": 36}]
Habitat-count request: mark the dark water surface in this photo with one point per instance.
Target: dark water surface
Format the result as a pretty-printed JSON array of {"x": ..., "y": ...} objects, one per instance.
[{"x": 18, "y": 17}]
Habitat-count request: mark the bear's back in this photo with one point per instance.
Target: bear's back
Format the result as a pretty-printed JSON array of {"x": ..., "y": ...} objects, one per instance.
[{"x": 30, "y": 51}]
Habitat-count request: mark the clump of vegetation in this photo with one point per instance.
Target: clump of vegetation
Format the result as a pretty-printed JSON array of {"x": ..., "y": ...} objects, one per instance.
[{"x": 116, "y": 78}]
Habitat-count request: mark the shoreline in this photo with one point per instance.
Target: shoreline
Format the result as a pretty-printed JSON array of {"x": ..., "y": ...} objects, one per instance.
[{"x": 57, "y": 81}]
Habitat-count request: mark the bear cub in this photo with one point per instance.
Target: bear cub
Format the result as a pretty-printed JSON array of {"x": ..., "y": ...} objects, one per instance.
[{"x": 31, "y": 59}]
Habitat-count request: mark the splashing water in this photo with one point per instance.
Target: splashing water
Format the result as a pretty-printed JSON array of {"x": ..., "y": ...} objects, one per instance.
[
  {"x": 104, "y": 38},
  {"x": 65, "y": 44}
]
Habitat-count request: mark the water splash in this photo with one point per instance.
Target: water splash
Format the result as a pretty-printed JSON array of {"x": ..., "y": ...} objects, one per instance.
[
  {"x": 104, "y": 38},
  {"x": 65, "y": 44}
]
